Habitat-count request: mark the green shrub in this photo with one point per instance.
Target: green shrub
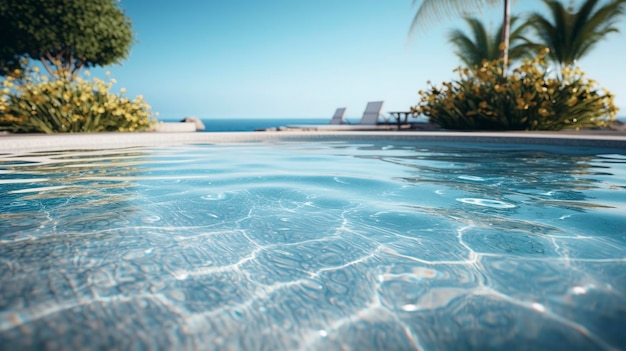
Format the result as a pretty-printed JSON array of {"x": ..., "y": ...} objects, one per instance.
[
  {"x": 32, "y": 103},
  {"x": 528, "y": 99}
]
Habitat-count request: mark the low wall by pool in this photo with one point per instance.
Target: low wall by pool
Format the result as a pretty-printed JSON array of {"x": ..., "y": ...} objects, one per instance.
[{"x": 32, "y": 142}]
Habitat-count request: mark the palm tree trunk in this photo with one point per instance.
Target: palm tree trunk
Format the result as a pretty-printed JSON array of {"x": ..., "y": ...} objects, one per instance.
[{"x": 506, "y": 33}]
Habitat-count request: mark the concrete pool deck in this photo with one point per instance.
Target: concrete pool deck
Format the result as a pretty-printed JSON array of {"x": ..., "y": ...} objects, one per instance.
[{"x": 22, "y": 143}]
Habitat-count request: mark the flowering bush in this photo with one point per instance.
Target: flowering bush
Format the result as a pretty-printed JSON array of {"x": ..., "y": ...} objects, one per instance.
[
  {"x": 31, "y": 102},
  {"x": 527, "y": 99}
]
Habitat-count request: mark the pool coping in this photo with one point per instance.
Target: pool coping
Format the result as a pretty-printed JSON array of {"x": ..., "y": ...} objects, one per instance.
[{"x": 14, "y": 143}]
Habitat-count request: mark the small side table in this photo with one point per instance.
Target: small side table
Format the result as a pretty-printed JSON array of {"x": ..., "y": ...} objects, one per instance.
[{"x": 401, "y": 117}]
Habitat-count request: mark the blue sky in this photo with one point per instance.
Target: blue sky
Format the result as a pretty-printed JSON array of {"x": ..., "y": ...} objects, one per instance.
[{"x": 298, "y": 59}]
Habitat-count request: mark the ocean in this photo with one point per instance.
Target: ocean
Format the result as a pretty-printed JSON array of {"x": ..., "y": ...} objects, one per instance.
[{"x": 252, "y": 124}]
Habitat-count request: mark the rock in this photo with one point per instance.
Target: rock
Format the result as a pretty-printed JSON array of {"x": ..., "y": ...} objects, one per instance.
[
  {"x": 175, "y": 127},
  {"x": 196, "y": 120},
  {"x": 618, "y": 125}
]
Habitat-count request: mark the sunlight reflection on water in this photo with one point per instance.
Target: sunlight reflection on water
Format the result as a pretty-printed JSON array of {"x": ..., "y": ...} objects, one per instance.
[{"x": 313, "y": 246}]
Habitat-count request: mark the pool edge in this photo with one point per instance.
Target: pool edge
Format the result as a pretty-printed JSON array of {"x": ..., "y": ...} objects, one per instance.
[{"x": 13, "y": 143}]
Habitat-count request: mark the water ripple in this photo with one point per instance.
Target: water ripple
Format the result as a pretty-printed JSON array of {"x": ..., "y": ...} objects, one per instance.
[
  {"x": 312, "y": 245},
  {"x": 487, "y": 203}
]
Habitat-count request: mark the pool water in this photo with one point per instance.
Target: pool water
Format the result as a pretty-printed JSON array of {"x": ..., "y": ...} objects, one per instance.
[{"x": 315, "y": 246}]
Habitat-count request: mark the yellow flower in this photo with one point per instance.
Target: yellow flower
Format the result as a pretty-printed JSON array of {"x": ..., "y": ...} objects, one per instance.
[
  {"x": 529, "y": 96},
  {"x": 521, "y": 104},
  {"x": 572, "y": 101}
]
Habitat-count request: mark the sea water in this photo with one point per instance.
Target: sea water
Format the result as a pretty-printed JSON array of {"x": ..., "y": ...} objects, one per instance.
[{"x": 252, "y": 124}]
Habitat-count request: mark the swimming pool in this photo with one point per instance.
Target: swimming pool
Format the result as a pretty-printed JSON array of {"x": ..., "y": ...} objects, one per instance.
[{"x": 309, "y": 244}]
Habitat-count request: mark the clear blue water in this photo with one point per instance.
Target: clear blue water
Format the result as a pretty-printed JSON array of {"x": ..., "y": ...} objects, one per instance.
[{"x": 314, "y": 246}]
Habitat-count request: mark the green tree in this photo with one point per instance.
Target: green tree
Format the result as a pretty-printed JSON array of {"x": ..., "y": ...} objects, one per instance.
[
  {"x": 570, "y": 34},
  {"x": 482, "y": 45},
  {"x": 65, "y": 35},
  {"x": 436, "y": 9}
]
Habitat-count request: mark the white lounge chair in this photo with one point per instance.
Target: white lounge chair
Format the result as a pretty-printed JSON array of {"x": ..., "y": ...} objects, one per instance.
[
  {"x": 338, "y": 116},
  {"x": 371, "y": 113}
]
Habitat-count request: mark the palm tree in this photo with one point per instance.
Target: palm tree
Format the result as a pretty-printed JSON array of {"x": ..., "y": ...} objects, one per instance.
[
  {"x": 570, "y": 35},
  {"x": 436, "y": 9},
  {"x": 486, "y": 46}
]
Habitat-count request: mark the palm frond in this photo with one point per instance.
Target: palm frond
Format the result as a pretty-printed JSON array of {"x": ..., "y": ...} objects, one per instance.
[
  {"x": 592, "y": 27},
  {"x": 467, "y": 50},
  {"x": 481, "y": 38},
  {"x": 431, "y": 11},
  {"x": 571, "y": 35},
  {"x": 481, "y": 45}
]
